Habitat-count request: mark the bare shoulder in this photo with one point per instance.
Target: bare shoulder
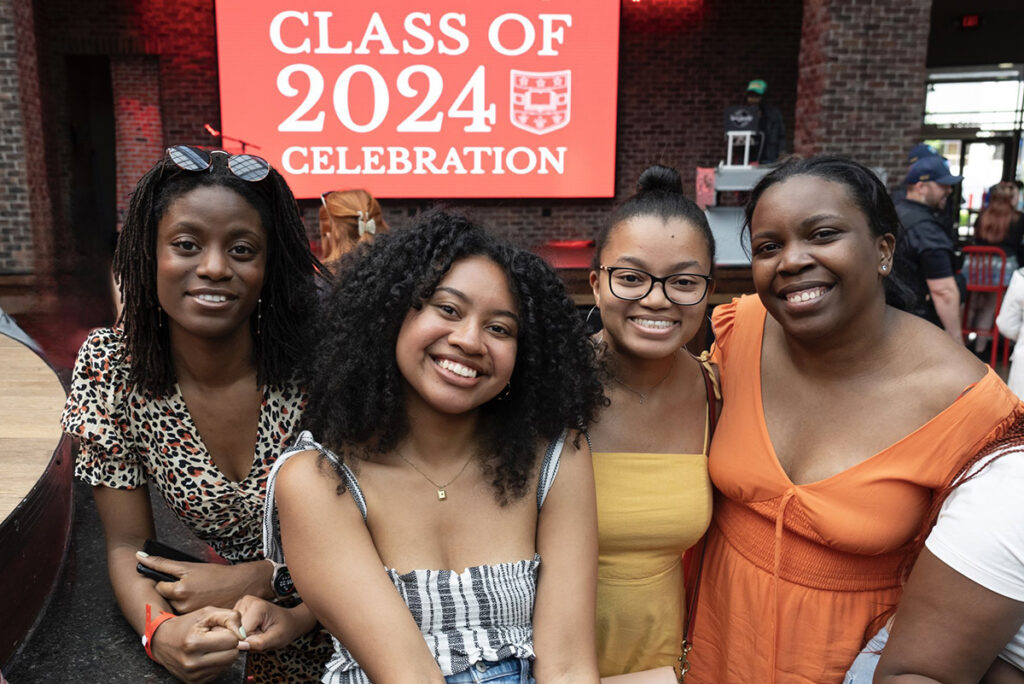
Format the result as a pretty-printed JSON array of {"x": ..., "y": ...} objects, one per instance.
[
  {"x": 304, "y": 471},
  {"x": 575, "y": 451},
  {"x": 937, "y": 367}
]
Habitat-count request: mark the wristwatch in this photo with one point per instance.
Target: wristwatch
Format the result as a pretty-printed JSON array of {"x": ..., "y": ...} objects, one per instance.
[{"x": 281, "y": 580}]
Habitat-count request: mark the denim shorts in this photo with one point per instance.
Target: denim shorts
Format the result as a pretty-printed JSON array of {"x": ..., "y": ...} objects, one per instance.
[
  {"x": 862, "y": 671},
  {"x": 507, "y": 671}
]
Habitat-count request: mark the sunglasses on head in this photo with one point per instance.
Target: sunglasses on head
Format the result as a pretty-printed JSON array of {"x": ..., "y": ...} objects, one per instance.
[{"x": 248, "y": 167}]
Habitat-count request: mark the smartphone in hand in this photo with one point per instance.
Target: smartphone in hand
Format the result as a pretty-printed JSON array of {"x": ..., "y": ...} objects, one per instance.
[{"x": 155, "y": 548}]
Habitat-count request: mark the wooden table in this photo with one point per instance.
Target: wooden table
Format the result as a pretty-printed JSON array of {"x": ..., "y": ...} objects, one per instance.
[
  {"x": 31, "y": 400},
  {"x": 35, "y": 489}
]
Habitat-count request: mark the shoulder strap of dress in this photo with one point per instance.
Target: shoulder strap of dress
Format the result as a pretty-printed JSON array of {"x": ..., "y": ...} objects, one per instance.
[
  {"x": 549, "y": 467},
  {"x": 271, "y": 527},
  {"x": 714, "y": 392}
]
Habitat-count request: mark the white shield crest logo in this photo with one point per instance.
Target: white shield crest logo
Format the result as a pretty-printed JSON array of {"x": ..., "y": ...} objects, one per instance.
[{"x": 540, "y": 100}]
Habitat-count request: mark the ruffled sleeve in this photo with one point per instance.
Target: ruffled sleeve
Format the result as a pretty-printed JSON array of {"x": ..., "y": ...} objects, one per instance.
[
  {"x": 722, "y": 319},
  {"x": 96, "y": 413}
]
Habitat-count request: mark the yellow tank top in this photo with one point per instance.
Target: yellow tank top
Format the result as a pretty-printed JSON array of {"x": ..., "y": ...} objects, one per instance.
[{"x": 650, "y": 509}]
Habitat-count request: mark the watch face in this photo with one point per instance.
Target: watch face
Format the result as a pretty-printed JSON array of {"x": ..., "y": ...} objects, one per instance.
[{"x": 283, "y": 585}]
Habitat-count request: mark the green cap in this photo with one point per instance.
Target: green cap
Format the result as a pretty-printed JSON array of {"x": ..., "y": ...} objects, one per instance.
[{"x": 757, "y": 86}]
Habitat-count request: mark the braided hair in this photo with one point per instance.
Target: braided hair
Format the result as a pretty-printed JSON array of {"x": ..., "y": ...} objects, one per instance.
[{"x": 288, "y": 297}]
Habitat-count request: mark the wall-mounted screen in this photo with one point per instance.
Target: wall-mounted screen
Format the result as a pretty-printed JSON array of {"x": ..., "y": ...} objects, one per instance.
[{"x": 438, "y": 98}]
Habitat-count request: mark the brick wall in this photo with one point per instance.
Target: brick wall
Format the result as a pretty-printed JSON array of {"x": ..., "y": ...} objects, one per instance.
[
  {"x": 859, "y": 66},
  {"x": 862, "y": 79},
  {"x": 139, "y": 124},
  {"x": 17, "y": 243},
  {"x": 681, "y": 62}
]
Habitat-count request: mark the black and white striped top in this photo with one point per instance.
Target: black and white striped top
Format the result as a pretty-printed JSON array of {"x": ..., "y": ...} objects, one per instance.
[{"x": 484, "y": 613}]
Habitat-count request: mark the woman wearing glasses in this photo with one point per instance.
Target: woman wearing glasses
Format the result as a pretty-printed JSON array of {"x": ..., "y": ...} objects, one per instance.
[
  {"x": 651, "y": 276},
  {"x": 193, "y": 393}
]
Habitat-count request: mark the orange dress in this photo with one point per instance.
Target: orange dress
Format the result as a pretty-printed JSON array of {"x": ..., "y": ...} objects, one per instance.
[{"x": 793, "y": 574}]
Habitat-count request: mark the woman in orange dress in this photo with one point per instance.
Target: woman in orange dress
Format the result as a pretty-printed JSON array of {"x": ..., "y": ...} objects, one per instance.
[{"x": 842, "y": 415}]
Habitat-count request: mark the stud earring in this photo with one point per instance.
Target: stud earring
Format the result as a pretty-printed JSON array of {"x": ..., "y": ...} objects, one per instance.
[{"x": 885, "y": 267}]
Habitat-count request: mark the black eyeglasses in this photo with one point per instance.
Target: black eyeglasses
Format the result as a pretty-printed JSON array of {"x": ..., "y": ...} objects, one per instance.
[
  {"x": 248, "y": 167},
  {"x": 631, "y": 284}
]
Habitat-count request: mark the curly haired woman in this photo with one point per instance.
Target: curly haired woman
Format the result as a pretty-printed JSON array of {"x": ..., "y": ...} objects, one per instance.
[
  {"x": 194, "y": 393},
  {"x": 450, "y": 467}
]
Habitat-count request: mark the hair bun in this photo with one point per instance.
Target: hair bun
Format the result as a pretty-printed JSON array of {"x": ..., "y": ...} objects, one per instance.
[{"x": 659, "y": 178}]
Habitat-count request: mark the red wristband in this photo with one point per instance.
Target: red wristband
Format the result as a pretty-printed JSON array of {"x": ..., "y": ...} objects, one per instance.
[{"x": 151, "y": 627}]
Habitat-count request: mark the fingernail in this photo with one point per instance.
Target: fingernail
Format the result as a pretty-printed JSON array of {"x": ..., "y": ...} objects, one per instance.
[
  {"x": 142, "y": 554},
  {"x": 241, "y": 630},
  {"x": 243, "y": 646}
]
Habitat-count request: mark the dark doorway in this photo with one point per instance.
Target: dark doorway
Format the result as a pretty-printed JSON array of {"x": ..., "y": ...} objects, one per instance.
[{"x": 92, "y": 181}]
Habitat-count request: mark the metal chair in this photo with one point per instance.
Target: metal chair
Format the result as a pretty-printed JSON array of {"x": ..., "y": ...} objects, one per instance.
[{"x": 985, "y": 271}]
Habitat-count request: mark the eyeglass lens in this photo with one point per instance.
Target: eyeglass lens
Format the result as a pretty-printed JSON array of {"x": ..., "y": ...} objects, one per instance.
[
  {"x": 189, "y": 158},
  {"x": 248, "y": 167},
  {"x": 680, "y": 288}
]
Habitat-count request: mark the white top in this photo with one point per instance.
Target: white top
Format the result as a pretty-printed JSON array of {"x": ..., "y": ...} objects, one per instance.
[
  {"x": 1011, "y": 316},
  {"x": 980, "y": 534}
]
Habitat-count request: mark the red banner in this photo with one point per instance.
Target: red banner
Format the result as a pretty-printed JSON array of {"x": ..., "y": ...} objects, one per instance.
[{"x": 441, "y": 98}]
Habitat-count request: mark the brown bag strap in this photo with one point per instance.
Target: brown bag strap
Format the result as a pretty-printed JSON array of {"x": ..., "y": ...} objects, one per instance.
[{"x": 714, "y": 395}]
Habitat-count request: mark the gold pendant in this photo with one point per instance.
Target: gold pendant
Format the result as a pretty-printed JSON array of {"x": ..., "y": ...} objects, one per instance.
[{"x": 441, "y": 495}]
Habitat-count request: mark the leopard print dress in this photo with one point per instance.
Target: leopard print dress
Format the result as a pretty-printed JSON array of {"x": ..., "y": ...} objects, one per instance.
[{"x": 130, "y": 438}]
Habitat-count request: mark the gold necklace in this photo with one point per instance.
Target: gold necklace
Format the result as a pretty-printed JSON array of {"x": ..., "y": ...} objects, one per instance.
[
  {"x": 442, "y": 493},
  {"x": 643, "y": 395}
]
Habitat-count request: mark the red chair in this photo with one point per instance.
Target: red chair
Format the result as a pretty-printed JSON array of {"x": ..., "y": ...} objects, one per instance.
[{"x": 985, "y": 270}]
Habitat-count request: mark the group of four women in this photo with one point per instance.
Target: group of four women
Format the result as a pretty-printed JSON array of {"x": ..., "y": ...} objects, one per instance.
[{"x": 448, "y": 471}]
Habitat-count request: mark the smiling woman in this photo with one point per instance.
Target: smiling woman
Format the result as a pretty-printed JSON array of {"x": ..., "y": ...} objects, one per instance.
[
  {"x": 651, "y": 276},
  {"x": 458, "y": 467},
  {"x": 843, "y": 416},
  {"x": 195, "y": 393}
]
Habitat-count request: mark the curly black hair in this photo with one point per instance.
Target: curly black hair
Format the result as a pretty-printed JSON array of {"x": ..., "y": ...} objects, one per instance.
[
  {"x": 288, "y": 297},
  {"x": 356, "y": 403}
]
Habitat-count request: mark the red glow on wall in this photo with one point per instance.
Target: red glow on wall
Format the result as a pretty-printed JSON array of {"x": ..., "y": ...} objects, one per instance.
[{"x": 970, "y": 21}]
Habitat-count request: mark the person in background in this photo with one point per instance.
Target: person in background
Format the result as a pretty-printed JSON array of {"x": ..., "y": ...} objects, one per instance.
[
  {"x": 651, "y": 277},
  {"x": 925, "y": 254},
  {"x": 347, "y": 218},
  {"x": 998, "y": 225},
  {"x": 770, "y": 124},
  {"x": 1010, "y": 321},
  {"x": 842, "y": 416},
  {"x": 195, "y": 394}
]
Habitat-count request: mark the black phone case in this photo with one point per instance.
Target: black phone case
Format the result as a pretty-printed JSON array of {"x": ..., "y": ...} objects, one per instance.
[
  {"x": 155, "y": 548},
  {"x": 154, "y": 574}
]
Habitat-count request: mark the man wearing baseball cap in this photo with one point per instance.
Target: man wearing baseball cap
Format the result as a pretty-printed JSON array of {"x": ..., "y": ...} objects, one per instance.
[
  {"x": 924, "y": 257},
  {"x": 769, "y": 124}
]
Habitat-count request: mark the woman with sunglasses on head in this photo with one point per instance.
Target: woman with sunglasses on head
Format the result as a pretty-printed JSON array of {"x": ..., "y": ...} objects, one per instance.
[
  {"x": 651, "y": 278},
  {"x": 446, "y": 532},
  {"x": 194, "y": 393},
  {"x": 843, "y": 416},
  {"x": 347, "y": 218}
]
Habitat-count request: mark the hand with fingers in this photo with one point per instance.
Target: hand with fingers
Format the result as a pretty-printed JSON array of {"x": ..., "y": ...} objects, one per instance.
[
  {"x": 209, "y": 584},
  {"x": 269, "y": 626},
  {"x": 198, "y": 646}
]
